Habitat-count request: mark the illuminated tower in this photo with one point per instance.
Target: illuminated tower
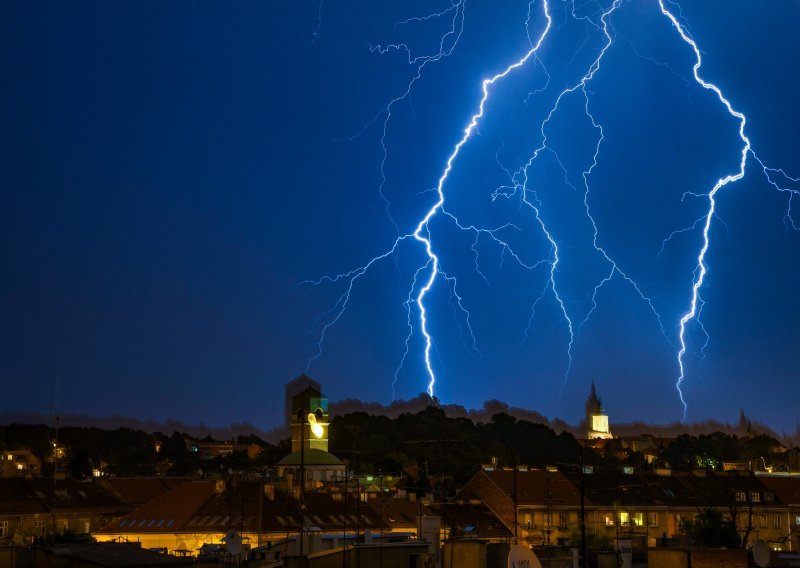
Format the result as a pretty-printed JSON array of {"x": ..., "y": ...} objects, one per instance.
[
  {"x": 310, "y": 459},
  {"x": 292, "y": 389},
  {"x": 596, "y": 418},
  {"x": 310, "y": 420}
]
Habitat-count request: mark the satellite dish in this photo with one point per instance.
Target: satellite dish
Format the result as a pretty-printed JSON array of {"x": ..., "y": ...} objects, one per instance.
[
  {"x": 233, "y": 542},
  {"x": 522, "y": 557},
  {"x": 761, "y": 553}
]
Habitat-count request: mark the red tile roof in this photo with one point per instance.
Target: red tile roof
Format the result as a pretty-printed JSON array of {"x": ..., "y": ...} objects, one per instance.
[{"x": 140, "y": 490}]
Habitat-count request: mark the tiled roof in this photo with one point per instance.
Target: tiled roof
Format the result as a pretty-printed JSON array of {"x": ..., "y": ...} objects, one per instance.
[
  {"x": 534, "y": 485},
  {"x": 196, "y": 506},
  {"x": 399, "y": 513},
  {"x": 167, "y": 513},
  {"x": 17, "y": 498},
  {"x": 786, "y": 488},
  {"x": 607, "y": 488},
  {"x": 140, "y": 490},
  {"x": 466, "y": 519},
  {"x": 117, "y": 555},
  {"x": 40, "y": 494}
]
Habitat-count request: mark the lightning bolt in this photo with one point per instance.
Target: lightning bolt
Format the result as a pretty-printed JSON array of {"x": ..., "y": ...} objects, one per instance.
[
  {"x": 696, "y": 303},
  {"x": 421, "y": 232},
  {"x": 522, "y": 186},
  {"x": 535, "y": 204}
]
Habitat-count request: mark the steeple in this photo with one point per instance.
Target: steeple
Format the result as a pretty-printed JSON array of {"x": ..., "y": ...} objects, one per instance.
[{"x": 596, "y": 418}]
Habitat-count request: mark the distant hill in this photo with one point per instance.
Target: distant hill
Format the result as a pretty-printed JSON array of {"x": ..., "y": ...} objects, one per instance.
[{"x": 395, "y": 409}]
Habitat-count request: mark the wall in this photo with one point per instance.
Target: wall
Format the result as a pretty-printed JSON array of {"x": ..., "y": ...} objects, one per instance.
[{"x": 681, "y": 558}]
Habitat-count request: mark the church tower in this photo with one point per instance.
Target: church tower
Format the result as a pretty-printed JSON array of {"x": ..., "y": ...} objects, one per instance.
[
  {"x": 310, "y": 420},
  {"x": 596, "y": 418}
]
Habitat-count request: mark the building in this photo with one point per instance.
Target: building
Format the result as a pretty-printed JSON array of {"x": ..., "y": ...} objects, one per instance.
[
  {"x": 39, "y": 507},
  {"x": 597, "y": 426},
  {"x": 19, "y": 463},
  {"x": 646, "y": 507},
  {"x": 198, "y": 513},
  {"x": 310, "y": 459},
  {"x": 292, "y": 389}
]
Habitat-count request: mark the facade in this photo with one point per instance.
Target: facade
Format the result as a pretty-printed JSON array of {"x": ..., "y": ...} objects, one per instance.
[
  {"x": 19, "y": 463},
  {"x": 36, "y": 508},
  {"x": 644, "y": 507}
]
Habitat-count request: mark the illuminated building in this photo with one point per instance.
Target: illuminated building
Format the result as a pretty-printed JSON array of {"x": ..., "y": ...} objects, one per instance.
[
  {"x": 596, "y": 419},
  {"x": 644, "y": 506},
  {"x": 19, "y": 463},
  {"x": 310, "y": 457}
]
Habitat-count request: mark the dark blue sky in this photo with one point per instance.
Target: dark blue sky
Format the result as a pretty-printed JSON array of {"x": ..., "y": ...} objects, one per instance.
[{"x": 171, "y": 172}]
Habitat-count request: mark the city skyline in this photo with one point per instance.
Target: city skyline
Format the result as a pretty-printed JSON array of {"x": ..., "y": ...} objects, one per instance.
[{"x": 187, "y": 182}]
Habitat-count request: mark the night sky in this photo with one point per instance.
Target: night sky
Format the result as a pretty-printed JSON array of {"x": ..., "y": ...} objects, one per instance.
[{"x": 172, "y": 173}]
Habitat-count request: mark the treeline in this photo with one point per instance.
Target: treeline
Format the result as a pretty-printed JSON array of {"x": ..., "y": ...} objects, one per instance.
[{"x": 428, "y": 445}]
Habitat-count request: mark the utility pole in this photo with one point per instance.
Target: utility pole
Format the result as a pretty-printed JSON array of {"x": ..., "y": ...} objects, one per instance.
[
  {"x": 302, "y": 475},
  {"x": 515, "y": 500},
  {"x": 549, "y": 519},
  {"x": 344, "y": 528},
  {"x": 444, "y": 442},
  {"x": 582, "y": 517}
]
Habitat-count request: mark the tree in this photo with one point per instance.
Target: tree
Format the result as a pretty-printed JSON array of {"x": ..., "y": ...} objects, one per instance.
[{"x": 712, "y": 530}]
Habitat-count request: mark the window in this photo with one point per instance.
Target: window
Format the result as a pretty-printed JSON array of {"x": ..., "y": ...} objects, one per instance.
[
  {"x": 762, "y": 521},
  {"x": 797, "y": 520},
  {"x": 680, "y": 523},
  {"x": 39, "y": 527},
  {"x": 563, "y": 520},
  {"x": 769, "y": 497},
  {"x": 609, "y": 520},
  {"x": 3, "y": 529},
  {"x": 637, "y": 519},
  {"x": 776, "y": 521},
  {"x": 624, "y": 518},
  {"x": 741, "y": 496},
  {"x": 755, "y": 497},
  {"x": 652, "y": 519}
]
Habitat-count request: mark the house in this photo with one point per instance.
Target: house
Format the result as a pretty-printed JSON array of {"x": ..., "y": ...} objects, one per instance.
[
  {"x": 19, "y": 463},
  {"x": 544, "y": 506},
  {"x": 31, "y": 508},
  {"x": 199, "y": 512}
]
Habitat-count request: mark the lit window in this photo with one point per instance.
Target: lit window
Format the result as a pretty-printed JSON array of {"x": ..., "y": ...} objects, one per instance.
[
  {"x": 797, "y": 520},
  {"x": 637, "y": 519},
  {"x": 624, "y": 518},
  {"x": 609, "y": 521}
]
